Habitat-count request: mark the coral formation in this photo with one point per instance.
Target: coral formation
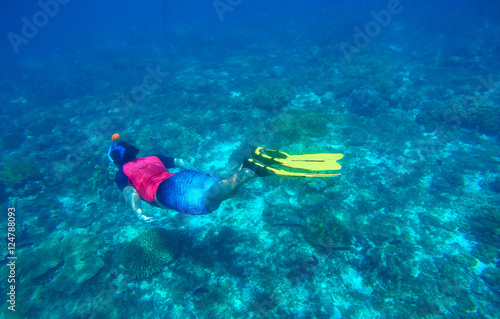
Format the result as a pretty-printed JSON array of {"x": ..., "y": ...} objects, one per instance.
[
  {"x": 81, "y": 261},
  {"x": 271, "y": 96},
  {"x": 325, "y": 230},
  {"x": 484, "y": 224},
  {"x": 295, "y": 125},
  {"x": 17, "y": 174},
  {"x": 476, "y": 112},
  {"x": 492, "y": 277},
  {"x": 44, "y": 257},
  {"x": 486, "y": 253},
  {"x": 364, "y": 101},
  {"x": 72, "y": 256},
  {"x": 149, "y": 252},
  {"x": 481, "y": 114}
]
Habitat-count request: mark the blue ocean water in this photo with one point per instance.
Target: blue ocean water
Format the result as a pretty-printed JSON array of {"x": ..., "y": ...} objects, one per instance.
[{"x": 408, "y": 91}]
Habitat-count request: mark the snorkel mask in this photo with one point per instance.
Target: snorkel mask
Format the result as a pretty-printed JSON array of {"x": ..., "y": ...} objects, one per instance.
[{"x": 114, "y": 147}]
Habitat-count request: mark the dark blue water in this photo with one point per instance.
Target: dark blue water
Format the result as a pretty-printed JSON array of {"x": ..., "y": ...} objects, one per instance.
[{"x": 407, "y": 90}]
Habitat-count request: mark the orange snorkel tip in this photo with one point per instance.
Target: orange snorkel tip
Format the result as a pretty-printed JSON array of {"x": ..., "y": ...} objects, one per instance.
[{"x": 114, "y": 138}]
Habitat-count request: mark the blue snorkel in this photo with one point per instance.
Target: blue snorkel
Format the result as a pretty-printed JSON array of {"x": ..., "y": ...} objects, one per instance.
[{"x": 114, "y": 147}]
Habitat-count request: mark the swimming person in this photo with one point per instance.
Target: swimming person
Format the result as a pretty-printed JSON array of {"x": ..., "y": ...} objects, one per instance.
[{"x": 192, "y": 192}]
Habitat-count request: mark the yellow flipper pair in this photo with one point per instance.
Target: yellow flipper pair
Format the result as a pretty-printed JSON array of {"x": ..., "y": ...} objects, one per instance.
[{"x": 309, "y": 162}]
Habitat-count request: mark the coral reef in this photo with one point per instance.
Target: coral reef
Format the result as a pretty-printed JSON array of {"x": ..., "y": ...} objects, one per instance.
[
  {"x": 149, "y": 252},
  {"x": 409, "y": 230}
]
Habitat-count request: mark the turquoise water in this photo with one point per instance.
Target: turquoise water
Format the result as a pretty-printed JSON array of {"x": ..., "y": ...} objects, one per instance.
[{"x": 408, "y": 91}]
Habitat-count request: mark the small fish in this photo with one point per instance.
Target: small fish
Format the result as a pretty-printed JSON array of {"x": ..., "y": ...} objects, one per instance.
[
  {"x": 319, "y": 205},
  {"x": 315, "y": 261},
  {"x": 395, "y": 241},
  {"x": 292, "y": 246},
  {"x": 338, "y": 248},
  {"x": 200, "y": 290},
  {"x": 296, "y": 222}
]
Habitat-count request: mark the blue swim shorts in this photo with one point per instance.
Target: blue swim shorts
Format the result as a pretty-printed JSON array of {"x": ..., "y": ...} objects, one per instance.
[{"x": 185, "y": 192}]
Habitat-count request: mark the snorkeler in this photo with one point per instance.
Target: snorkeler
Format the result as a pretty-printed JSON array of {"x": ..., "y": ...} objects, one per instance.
[{"x": 195, "y": 193}]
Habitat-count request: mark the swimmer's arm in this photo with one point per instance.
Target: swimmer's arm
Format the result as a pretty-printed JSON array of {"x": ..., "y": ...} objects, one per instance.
[
  {"x": 134, "y": 201},
  {"x": 182, "y": 163}
]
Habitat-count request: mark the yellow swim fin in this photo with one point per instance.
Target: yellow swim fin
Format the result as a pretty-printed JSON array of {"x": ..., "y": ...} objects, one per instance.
[
  {"x": 281, "y": 172},
  {"x": 308, "y": 162}
]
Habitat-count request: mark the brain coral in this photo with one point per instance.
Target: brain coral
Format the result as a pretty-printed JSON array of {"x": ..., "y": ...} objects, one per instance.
[{"x": 149, "y": 252}]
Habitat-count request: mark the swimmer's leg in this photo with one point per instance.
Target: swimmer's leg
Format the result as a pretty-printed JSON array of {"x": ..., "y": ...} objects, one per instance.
[{"x": 225, "y": 188}]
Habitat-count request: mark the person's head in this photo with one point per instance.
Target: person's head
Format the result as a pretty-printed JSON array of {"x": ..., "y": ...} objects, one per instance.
[{"x": 120, "y": 153}]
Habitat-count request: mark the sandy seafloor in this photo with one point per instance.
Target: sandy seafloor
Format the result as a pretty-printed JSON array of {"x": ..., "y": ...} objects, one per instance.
[{"x": 418, "y": 195}]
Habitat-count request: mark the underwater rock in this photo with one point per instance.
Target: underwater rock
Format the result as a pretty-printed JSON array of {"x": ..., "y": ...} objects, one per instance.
[
  {"x": 46, "y": 256},
  {"x": 72, "y": 255},
  {"x": 75, "y": 272},
  {"x": 81, "y": 262},
  {"x": 364, "y": 101}
]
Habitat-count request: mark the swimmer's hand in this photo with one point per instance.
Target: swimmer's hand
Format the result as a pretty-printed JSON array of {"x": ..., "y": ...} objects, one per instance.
[{"x": 144, "y": 218}]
